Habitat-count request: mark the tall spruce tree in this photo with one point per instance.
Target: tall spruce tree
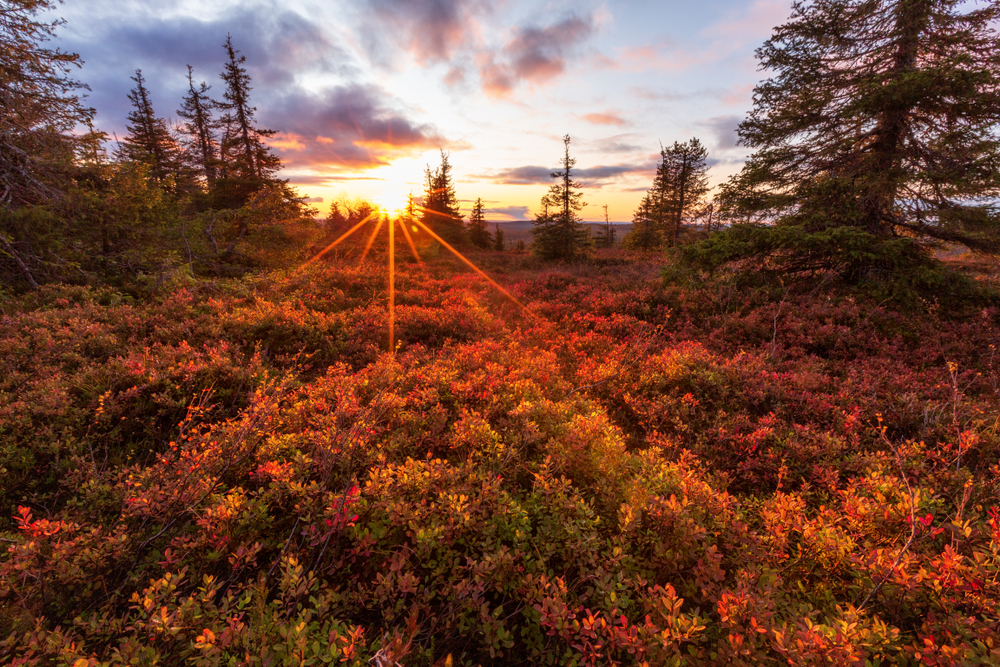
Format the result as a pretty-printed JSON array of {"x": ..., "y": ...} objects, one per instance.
[
  {"x": 245, "y": 155},
  {"x": 876, "y": 137},
  {"x": 200, "y": 127},
  {"x": 558, "y": 231},
  {"x": 679, "y": 187},
  {"x": 40, "y": 107},
  {"x": 440, "y": 210},
  {"x": 149, "y": 140},
  {"x": 479, "y": 232}
]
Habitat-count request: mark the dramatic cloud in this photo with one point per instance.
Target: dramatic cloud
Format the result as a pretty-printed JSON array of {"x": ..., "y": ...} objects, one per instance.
[
  {"x": 431, "y": 30},
  {"x": 347, "y": 127},
  {"x": 534, "y": 55},
  {"x": 277, "y": 51},
  {"x": 723, "y": 128},
  {"x": 604, "y": 119}
]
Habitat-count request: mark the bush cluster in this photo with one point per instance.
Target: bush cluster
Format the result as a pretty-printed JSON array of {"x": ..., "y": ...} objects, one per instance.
[{"x": 239, "y": 473}]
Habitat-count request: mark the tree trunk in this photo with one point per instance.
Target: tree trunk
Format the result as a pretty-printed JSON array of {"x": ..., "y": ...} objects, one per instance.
[{"x": 911, "y": 18}]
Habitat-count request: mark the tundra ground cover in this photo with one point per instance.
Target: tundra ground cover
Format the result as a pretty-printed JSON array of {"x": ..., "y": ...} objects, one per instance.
[{"x": 629, "y": 472}]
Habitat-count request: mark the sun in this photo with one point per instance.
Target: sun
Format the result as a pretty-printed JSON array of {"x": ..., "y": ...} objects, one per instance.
[{"x": 393, "y": 198}]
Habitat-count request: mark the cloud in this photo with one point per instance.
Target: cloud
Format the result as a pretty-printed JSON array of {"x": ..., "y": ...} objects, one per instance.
[
  {"x": 530, "y": 175},
  {"x": 512, "y": 212},
  {"x": 590, "y": 177},
  {"x": 604, "y": 119},
  {"x": 431, "y": 30},
  {"x": 346, "y": 127},
  {"x": 723, "y": 128},
  {"x": 598, "y": 177},
  {"x": 533, "y": 55},
  {"x": 277, "y": 51}
]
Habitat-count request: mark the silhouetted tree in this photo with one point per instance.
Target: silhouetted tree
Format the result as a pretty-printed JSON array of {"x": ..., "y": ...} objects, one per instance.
[
  {"x": 606, "y": 235},
  {"x": 498, "y": 240},
  {"x": 149, "y": 140},
  {"x": 479, "y": 233},
  {"x": 200, "y": 128},
  {"x": 440, "y": 210},
  {"x": 876, "y": 136},
  {"x": 247, "y": 162},
  {"x": 558, "y": 230}
]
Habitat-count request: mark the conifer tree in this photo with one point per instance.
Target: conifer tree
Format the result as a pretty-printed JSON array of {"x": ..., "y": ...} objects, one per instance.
[
  {"x": 196, "y": 109},
  {"x": 148, "y": 140},
  {"x": 498, "y": 240},
  {"x": 479, "y": 233},
  {"x": 606, "y": 235},
  {"x": 876, "y": 137},
  {"x": 558, "y": 230},
  {"x": 646, "y": 233},
  {"x": 440, "y": 210},
  {"x": 679, "y": 187},
  {"x": 39, "y": 107},
  {"x": 244, "y": 152}
]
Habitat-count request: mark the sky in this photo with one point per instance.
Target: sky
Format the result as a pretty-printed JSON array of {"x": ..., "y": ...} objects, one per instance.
[{"x": 364, "y": 94}]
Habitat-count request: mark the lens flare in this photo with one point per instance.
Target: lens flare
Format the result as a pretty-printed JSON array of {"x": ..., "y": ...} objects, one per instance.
[{"x": 417, "y": 225}]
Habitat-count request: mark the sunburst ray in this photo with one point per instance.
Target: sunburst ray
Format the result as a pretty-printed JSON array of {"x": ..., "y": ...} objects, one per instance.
[
  {"x": 472, "y": 266},
  {"x": 341, "y": 238},
  {"x": 371, "y": 240}
]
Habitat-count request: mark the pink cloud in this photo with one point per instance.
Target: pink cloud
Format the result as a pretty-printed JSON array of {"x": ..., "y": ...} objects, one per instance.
[
  {"x": 604, "y": 119},
  {"x": 533, "y": 55}
]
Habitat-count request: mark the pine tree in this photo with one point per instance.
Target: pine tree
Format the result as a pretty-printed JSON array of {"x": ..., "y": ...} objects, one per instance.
[
  {"x": 39, "y": 107},
  {"x": 558, "y": 231},
  {"x": 606, "y": 235},
  {"x": 679, "y": 187},
  {"x": 876, "y": 137},
  {"x": 200, "y": 127},
  {"x": 440, "y": 210},
  {"x": 479, "y": 233},
  {"x": 498, "y": 240},
  {"x": 149, "y": 140},
  {"x": 244, "y": 153}
]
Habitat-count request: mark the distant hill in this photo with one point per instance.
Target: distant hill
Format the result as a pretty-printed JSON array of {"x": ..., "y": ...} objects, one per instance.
[{"x": 515, "y": 230}]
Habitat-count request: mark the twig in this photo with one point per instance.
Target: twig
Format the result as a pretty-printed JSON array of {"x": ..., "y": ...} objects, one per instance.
[{"x": 913, "y": 520}]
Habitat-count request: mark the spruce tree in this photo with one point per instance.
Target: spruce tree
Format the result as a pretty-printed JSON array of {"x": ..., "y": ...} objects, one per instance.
[
  {"x": 196, "y": 109},
  {"x": 479, "y": 233},
  {"x": 875, "y": 137},
  {"x": 39, "y": 107},
  {"x": 498, "y": 240},
  {"x": 679, "y": 187},
  {"x": 148, "y": 140},
  {"x": 440, "y": 210},
  {"x": 244, "y": 153},
  {"x": 558, "y": 231},
  {"x": 646, "y": 233}
]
